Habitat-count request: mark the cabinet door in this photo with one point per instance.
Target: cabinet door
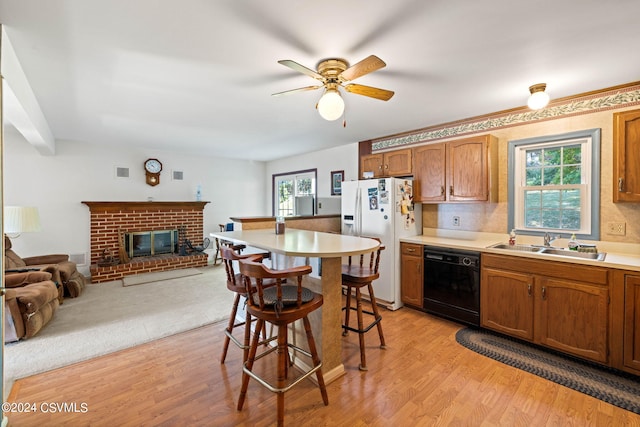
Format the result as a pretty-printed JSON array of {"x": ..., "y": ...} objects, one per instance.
[
  {"x": 373, "y": 163},
  {"x": 506, "y": 302},
  {"x": 632, "y": 322},
  {"x": 467, "y": 170},
  {"x": 573, "y": 317},
  {"x": 397, "y": 163},
  {"x": 429, "y": 173},
  {"x": 411, "y": 279},
  {"x": 626, "y": 156}
]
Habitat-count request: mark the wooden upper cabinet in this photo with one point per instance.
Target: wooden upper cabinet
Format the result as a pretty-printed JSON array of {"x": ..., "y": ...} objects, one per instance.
[
  {"x": 464, "y": 170},
  {"x": 390, "y": 163},
  {"x": 372, "y": 163},
  {"x": 626, "y": 156},
  {"x": 429, "y": 173},
  {"x": 398, "y": 162}
]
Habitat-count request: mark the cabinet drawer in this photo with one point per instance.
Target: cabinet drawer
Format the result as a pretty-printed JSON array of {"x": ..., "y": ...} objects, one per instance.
[{"x": 411, "y": 249}]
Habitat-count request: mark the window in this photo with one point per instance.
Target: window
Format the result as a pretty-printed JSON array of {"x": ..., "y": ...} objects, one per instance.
[
  {"x": 294, "y": 193},
  {"x": 554, "y": 184}
]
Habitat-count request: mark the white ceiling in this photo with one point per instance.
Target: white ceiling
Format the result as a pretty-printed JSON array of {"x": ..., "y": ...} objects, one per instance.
[{"x": 197, "y": 75}]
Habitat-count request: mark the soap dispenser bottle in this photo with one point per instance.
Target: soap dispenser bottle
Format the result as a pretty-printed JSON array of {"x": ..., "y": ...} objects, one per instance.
[
  {"x": 512, "y": 237},
  {"x": 573, "y": 243}
]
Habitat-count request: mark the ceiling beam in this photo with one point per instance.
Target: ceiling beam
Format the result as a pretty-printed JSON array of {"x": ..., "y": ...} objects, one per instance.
[{"x": 20, "y": 106}]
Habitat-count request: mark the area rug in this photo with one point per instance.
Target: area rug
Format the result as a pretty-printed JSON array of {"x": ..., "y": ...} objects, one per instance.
[
  {"x": 108, "y": 317},
  {"x": 156, "y": 276},
  {"x": 614, "y": 387}
]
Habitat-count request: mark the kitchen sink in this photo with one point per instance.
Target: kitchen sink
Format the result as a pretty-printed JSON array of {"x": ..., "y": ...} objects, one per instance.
[
  {"x": 600, "y": 256},
  {"x": 574, "y": 254},
  {"x": 521, "y": 248}
]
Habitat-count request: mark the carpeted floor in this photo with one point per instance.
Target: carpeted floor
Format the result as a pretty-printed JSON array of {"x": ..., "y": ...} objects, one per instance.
[
  {"x": 108, "y": 317},
  {"x": 616, "y": 388}
]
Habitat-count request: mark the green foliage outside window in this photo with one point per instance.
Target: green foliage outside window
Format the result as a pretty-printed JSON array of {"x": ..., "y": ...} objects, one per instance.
[{"x": 554, "y": 206}]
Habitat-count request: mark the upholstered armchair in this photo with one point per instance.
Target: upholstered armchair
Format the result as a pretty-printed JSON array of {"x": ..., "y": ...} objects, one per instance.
[
  {"x": 63, "y": 271},
  {"x": 31, "y": 299}
]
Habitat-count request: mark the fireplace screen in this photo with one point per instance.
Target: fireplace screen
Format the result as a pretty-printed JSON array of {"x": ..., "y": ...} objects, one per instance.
[{"x": 148, "y": 243}]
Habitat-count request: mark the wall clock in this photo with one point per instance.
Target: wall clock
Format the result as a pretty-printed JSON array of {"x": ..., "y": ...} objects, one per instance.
[{"x": 152, "y": 169}]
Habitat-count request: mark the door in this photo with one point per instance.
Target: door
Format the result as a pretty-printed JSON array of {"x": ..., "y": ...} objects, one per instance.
[
  {"x": 507, "y": 302},
  {"x": 626, "y": 156},
  {"x": 411, "y": 282},
  {"x": 573, "y": 317},
  {"x": 467, "y": 171},
  {"x": 429, "y": 173},
  {"x": 631, "y": 344},
  {"x": 348, "y": 207},
  {"x": 377, "y": 218}
]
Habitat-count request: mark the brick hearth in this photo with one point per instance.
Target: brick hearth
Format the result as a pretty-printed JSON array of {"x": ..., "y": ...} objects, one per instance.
[{"x": 108, "y": 219}]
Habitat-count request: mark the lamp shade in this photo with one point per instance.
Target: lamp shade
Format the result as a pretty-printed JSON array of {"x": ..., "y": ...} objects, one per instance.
[
  {"x": 21, "y": 219},
  {"x": 331, "y": 105},
  {"x": 538, "y": 98}
]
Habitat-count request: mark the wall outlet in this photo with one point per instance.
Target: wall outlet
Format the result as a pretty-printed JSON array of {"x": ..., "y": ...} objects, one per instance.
[
  {"x": 617, "y": 228},
  {"x": 456, "y": 221}
]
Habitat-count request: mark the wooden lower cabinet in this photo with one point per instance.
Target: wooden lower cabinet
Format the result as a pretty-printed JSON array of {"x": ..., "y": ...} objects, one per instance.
[
  {"x": 631, "y": 338},
  {"x": 572, "y": 317},
  {"x": 411, "y": 274},
  {"x": 500, "y": 289},
  {"x": 563, "y": 306}
]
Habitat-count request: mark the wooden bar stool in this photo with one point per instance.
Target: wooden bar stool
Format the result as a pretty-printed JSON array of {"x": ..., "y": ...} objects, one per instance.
[
  {"x": 236, "y": 284},
  {"x": 280, "y": 305},
  {"x": 356, "y": 277},
  {"x": 221, "y": 242}
]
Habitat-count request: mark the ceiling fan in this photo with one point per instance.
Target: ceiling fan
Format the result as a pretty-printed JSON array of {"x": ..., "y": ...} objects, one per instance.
[{"x": 334, "y": 73}]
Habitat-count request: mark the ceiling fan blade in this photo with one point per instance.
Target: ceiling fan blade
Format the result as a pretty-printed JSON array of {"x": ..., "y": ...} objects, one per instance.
[
  {"x": 371, "y": 92},
  {"x": 301, "y": 89},
  {"x": 366, "y": 66},
  {"x": 300, "y": 68}
]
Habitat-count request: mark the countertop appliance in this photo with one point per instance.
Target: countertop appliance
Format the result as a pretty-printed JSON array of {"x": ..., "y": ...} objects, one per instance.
[
  {"x": 382, "y": 208},
  {"x": 452, "y": 284}
]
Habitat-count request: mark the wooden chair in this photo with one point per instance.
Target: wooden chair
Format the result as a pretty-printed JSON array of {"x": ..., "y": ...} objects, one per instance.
[
  {"x": 280, "y": 305},
  {"x": 236, "y": 284},
  {"x": 355, "y": 277},
  {"x": 229, "y": 243}
]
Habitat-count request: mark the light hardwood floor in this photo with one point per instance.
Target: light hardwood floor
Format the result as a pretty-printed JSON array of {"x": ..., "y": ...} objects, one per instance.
[{"x": 423, "y": 378}]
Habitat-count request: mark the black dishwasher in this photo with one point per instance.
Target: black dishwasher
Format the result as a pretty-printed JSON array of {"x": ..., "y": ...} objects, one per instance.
[{"x": 452, "y": 284}]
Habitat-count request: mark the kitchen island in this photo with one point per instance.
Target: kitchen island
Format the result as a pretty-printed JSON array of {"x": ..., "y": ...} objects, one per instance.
[{"x": 330, "y": 248}]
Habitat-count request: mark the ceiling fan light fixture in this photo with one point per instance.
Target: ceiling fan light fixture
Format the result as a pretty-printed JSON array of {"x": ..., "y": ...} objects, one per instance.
[
  {"x": 331, "y": 105},
  {"x": 538, "y": 98}
]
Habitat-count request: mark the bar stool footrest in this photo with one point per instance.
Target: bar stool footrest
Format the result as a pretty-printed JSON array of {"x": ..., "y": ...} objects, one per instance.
[{"x": 269, "y": 386}]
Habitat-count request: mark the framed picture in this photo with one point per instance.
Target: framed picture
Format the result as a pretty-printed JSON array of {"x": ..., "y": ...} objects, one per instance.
[{"x": 336, "y": 182}]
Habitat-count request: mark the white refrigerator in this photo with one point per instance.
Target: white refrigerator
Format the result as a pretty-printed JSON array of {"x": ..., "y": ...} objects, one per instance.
[{"x": 382, "y": 208}]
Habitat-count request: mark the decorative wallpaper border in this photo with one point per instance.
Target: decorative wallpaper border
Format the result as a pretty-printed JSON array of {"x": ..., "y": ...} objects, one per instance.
[{"x": 581, "y": 105}]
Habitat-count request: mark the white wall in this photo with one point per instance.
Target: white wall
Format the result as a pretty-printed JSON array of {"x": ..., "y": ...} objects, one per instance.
[
  {"x": 86, "y": 172},
  {"x": 334, "y": 159}
]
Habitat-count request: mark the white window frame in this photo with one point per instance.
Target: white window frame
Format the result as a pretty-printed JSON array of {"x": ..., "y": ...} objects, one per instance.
[
  {"x": 293, "y": 176},
  {"x": 589, "y": 186}
]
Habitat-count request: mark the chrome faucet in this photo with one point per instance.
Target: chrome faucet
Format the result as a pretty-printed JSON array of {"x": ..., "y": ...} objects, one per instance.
[{"x": 548, "y": 239}]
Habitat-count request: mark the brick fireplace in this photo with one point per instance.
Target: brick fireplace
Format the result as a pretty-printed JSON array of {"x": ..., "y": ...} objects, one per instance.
[{"x": 110, "y": 219}]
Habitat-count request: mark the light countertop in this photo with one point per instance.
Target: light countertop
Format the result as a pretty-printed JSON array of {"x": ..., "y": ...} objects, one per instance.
[
  {"x": 624, "y": 256},
  {"x": 301, "y": 243}
]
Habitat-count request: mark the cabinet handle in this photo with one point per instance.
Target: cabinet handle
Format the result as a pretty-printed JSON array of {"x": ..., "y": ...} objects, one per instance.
[
  {"x": 544, "y": 292},
  {"x": 451, "y": 190},
  {"x": 411, "y": 250},
  {"x": 620, "y": 184},
  {"x": 442, "y": 190},
  {"x": 529, "y": 289},
  {"x": 386, "y": 166}
]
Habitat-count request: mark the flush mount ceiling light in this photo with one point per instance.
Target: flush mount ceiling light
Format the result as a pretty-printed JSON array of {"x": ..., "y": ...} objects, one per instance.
[
  {"x": 538, "y": 98},
  {"x": 331, "y": 104}
]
